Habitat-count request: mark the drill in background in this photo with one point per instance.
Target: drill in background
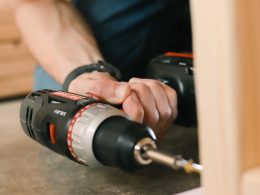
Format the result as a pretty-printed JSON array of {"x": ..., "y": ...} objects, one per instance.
[{"x": 176, "y": 70}]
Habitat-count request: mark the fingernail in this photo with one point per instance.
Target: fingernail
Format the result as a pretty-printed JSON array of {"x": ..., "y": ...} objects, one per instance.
[{"x": 122, "y": 90}]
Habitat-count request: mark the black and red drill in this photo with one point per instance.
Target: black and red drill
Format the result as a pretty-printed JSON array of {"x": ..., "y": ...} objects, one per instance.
[{"x": 92, "y": 132}]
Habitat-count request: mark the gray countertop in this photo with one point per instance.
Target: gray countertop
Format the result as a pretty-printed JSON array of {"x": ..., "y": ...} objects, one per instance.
[{"x": 28, "y": 168}]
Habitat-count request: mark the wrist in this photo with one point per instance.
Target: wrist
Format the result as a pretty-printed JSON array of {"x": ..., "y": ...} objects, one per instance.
[
  {"x": 85, "y": 78},
  {"x": 95, "y": 75},
  {"x": 67, "y": 65},
  {"x": 93, "y": 71}
]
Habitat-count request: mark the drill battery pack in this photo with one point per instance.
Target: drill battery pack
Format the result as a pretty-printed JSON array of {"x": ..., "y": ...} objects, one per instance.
[{"x": 176, "y": 70}]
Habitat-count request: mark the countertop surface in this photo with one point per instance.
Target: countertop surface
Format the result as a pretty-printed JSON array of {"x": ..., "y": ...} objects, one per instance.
[{"x": 29, "y": 168}]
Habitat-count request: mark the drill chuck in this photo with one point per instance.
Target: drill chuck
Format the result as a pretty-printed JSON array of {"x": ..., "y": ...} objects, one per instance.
[
  {"x": 90, "y": 131},
  {"x": 83, "y": 127}
]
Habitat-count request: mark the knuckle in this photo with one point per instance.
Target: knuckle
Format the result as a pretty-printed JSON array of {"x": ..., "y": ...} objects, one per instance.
[
  {"x": 154, "y": 83},
  {"x": 134, "y": 79},
  {"x": 142, "y": 87},
  {"x": 173, "y": 99},
  {"x": 167, "y": 113},
  {"x": 154, "y": 118},
  {"x": 175, "y": 114},
  {"x": 172, "y": 93}
]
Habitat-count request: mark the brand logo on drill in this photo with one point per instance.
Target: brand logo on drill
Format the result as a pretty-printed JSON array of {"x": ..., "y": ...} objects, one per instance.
[{"x": 59, "y": 112}]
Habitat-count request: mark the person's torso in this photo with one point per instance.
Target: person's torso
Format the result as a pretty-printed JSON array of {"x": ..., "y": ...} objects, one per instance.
[{"x": 131, "y": 32}]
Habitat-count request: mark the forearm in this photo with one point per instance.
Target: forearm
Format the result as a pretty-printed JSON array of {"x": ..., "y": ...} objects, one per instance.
[
  {"x": 56, "y": 36},
  {"x": 60, "y": 42}
]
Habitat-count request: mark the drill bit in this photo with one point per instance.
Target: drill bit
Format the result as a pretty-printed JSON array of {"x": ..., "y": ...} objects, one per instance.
[{"x": 174, "y": 162}]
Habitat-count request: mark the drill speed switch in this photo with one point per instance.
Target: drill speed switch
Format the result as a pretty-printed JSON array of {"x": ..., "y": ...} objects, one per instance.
[{"x": 88, "y": 131}]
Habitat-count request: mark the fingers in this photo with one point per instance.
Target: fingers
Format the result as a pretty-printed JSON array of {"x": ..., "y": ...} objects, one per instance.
[
  {"x": 112, "y": 91},
  {"x": 161, "y": 102},
  {"x": 133, "y": 108},
  {"x": 143, "y": 100},
  {"x": 145, "y": 96},
  {"x": 172, "y": 99},
  {"x": 159, "y": 97}
]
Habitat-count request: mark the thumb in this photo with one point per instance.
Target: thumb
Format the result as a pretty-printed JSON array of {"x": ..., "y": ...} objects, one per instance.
[{"x": 112, "y": 91}]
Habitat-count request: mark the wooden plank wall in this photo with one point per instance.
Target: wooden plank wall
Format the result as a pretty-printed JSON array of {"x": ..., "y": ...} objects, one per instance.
[{"x": 16, "y": 63}]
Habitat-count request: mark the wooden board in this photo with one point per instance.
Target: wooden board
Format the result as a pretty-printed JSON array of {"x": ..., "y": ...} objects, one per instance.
[
  {"x": 251, "y": 182},
  {"x": 248, "y": 31},
  {"x": 8, "y": 29},
  {"x": 17, "y": 67},
  {"x": 17, "y": 85},
  {"x": 16, "y": 63},
  {"x": 227, "y": 45}
]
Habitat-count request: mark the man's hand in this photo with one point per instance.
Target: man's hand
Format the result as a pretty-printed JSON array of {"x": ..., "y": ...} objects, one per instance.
[
  {"x": 143, "y": 100},
  {"x": 158, "y": 102}
]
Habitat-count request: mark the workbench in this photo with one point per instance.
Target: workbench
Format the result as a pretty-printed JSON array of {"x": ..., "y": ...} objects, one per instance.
[{"x": 29, "y": 168}]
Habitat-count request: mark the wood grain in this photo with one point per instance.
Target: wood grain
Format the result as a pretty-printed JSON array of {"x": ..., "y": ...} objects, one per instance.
[
  {"x": 227, "y": 45},
  {"x": 8, "y": 29},
  {"x": 248, "y": 29},
  {"x": 16, "y": 86},
  {"x": 251, "y": 182},
  {"x": 17, "y": 66},
  {"x": 16, "y": 63},
  {"x": 13, "y": 49},
  {"x": 13, "y": 67}
]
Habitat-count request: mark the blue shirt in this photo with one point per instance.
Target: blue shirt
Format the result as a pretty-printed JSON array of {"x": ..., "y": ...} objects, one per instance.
[{"x": 131, "y": 32}]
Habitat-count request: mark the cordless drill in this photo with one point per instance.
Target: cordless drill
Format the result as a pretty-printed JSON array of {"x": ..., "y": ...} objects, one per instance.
[
  {"x": 176, "y": 69},
  {"x": 92, "y": 132}
]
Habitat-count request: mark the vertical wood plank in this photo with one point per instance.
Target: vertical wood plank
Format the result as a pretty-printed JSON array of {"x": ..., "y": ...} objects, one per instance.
[
  {"x": 216, "y": 83},
  {"x": 8, "y": 29},
  {"x": 227, "y": 60},
  {"x": 251, "y": 182},
  {"x": 248, "y": 30},
  {"x": 16, "y": 63}
]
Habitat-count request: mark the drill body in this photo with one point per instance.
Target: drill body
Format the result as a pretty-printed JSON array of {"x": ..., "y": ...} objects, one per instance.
[{"x": 82, "y": 128}]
